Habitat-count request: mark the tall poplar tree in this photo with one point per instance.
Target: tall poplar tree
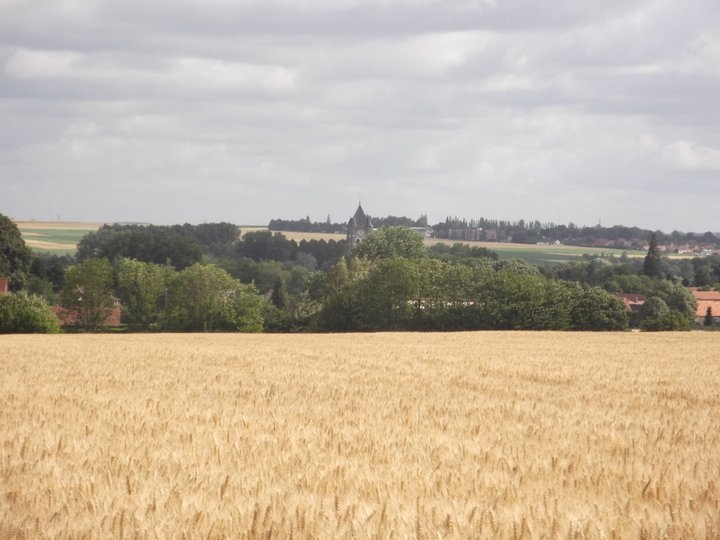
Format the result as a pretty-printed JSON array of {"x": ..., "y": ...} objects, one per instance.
[{"x": 651, "y": 266}]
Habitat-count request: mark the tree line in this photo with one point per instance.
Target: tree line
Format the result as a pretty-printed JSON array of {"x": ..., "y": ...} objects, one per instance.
[
  {"x": 327, "y": 226},
  {"x": 520, "y": 232},
  {"x": 210, "y": 277}
]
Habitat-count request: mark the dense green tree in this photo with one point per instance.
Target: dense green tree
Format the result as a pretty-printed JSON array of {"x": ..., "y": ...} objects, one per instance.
[
  {"x": 387, "y": 294},
  {"x": 512, "y": 300},
  {"x": 446, "y": 295},
  {"x": 657, "y": 315},
  {"x": 339, "y": 293},
  {"x": 296, "y": 316},
  {"x": 459, "y": 252},
  {"x": 517, "y": 266},
  {"x": 708, "y": 320},
  {"x": 264, "y": 274},
  {"x": 678, "y": 299},
  {"x": 266, "y": 246},
  {"x": 336, "y": 278},
  {"x": 216, "y": 240},
  {"x": 42, "y": 288},
  {"x": 344, "y": 273},
  {"x": 556, "y": 310},
  {"x": 652, "y": 311},
  {"x": 50, "y": 268},
  {"x": 652, "y": 267},
  {"x": 322, "y": 285},
  {"x": 15, "y": 256},
  {"x": 143, "y": 289},
  {"x": 247, "y": 307},
  {"x": 449, "y": 283},
  {"x": 706, "y": 270},
  {"x": 205, "y": 298},
  {"x": 154, "y": 244},
  {"x": 87, "y": 292},
  {"x": 598, "y": 310},
  {"x": 340, "y": 312},
  {"x": 685, "y": 272},
  {"x": 279, "y": 295},
  {"x": 26, "y": 314},
  {"x": 306, "y": 261},
  {"x": 704, "y": 275},
  {"x": 429, "y": 294},
  {"x": 635, "y": 284},
  {"x": 324, "y": 252},
  {"x": 305, "y": 225},
  {"x": 390, "y": 242}
]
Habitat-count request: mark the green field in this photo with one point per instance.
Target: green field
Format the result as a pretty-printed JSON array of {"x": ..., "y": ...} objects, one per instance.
[
  {"x": 549, "y": 254},
  {"x": 543, "y": 254},
  {"x": 59, "y": 238},
  {"x": 56, "y": 236}
]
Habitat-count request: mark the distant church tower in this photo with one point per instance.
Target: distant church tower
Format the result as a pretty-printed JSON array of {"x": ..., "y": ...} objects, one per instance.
[{"x": 357, "y": 228}]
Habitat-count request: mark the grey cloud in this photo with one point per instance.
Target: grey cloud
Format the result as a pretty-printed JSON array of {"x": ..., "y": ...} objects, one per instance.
[{"x": 187, "y": 111}]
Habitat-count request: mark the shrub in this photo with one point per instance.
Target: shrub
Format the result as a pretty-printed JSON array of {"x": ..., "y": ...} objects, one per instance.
[
  {"x": 26, "y": 314},
  {"x": 671, "y": 320}
]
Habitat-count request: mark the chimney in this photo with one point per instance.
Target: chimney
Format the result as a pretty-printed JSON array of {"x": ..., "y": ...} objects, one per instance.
[{"x": 3, "y": 285}]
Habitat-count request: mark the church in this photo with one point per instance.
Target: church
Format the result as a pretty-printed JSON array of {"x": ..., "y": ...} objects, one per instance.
[{"x": 358, "y": 227}]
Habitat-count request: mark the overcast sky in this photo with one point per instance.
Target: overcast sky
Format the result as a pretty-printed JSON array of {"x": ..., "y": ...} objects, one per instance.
[{"x": 173, "y": 111}]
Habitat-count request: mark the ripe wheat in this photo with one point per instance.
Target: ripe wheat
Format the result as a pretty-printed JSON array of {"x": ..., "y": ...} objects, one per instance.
[{"x": 469, "y": 435}]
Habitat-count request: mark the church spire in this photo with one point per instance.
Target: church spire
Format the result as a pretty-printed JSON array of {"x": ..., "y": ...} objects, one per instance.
[{"x": 358, "y": 226}]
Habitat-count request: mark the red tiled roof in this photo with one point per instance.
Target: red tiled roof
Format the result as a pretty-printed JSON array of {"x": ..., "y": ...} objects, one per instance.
[
  {"x": 703, "y": 305},
  {"x": 707, "y": 296},
  {"x": 633, "y": 298},
  {"x": 633, "y": 302},
  {"x": 705, "y": 300},
  {"x": 68, "y": 317}
]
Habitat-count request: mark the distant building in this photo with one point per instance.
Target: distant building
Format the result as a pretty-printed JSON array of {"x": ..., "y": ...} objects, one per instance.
[
  {"x": 468, "y": 234},
  {"x": 69, "y": 319},
  {"x": 4, "y": 285},
  {"x": 706, "y": 300},
  {"x": 633, "y": 302},
  {"x": 423, "y": 232},
  {"x": 358, "y": 228}
]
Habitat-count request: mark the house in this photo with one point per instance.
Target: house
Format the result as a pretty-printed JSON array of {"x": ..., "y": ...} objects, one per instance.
[
  {"x": 706, "y": 300},
  {"x": 633, "y": 305},
  {"x": 468, "y": 234},
  {"x": 633, "y": 302},
  {"x": 423, "y": 232},
  {"x": 4, "y": 285},
  {"x": 358, "y": 228},
  {"x": 68, "y": 317}
]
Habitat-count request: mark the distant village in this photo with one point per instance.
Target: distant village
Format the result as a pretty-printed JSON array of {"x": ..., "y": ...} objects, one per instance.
[{"x": 522, "y": 232}]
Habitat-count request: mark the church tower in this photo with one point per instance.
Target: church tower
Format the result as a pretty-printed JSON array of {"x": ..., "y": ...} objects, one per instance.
[{"x": 357, "y": 228}]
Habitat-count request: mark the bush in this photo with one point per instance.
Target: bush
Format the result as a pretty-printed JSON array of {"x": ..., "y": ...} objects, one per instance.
[
  {"x": 671, "y": 320},
  {"x": 598, "y": 310},
  {"x": 656, "y": 316},
  {"x": 23, "y": 314}
]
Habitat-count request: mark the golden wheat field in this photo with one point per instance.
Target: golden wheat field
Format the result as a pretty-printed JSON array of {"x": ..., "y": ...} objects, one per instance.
[{"x": 468, "y": 435}]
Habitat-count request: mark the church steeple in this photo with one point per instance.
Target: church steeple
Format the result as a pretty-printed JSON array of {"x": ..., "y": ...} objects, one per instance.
[
  {"x": 360, "y": 219},
  {"x": 358, "y": 227}
]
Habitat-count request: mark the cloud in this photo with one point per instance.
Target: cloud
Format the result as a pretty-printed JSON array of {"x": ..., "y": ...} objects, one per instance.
[
  {"x": 689, "y": 156},
  {"x": 183, "y": 75},
  {"x": 179, "y": 111}
]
